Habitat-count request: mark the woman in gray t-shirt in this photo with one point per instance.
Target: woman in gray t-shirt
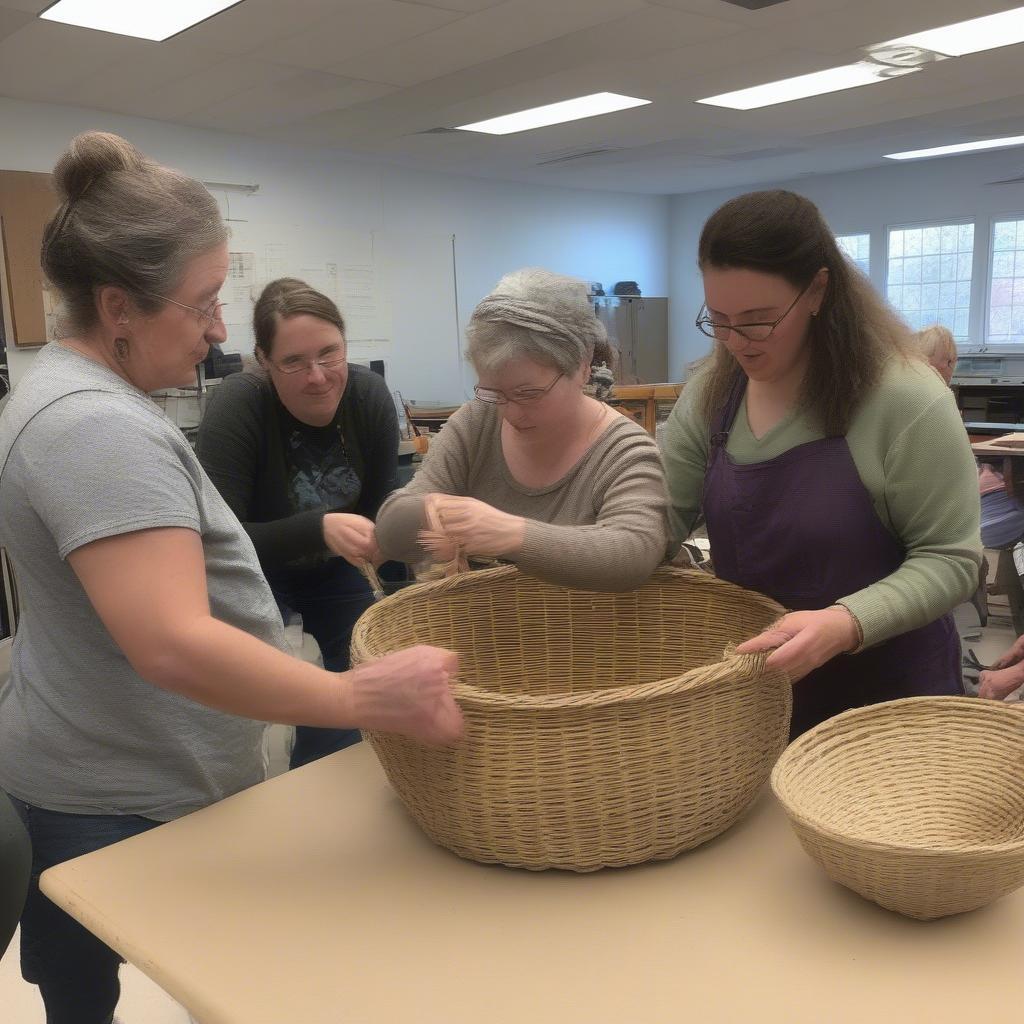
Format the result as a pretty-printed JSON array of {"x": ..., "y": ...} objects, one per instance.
[{"x": 150, "y": 650}]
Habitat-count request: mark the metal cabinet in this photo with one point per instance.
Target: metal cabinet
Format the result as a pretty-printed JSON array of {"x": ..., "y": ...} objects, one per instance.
[{"x": 638, "y": 327}]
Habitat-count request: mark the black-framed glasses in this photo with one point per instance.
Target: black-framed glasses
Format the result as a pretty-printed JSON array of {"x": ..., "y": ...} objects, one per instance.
[
  {"x": 209, "y": 316},
  {"x": 326, "y": 361},
  {"x": 521, "y": 396},
  {"x": 752, "y": 332}
]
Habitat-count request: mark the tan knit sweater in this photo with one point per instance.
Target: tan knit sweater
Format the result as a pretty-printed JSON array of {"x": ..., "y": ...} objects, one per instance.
[{"x": 603, "y": 526}]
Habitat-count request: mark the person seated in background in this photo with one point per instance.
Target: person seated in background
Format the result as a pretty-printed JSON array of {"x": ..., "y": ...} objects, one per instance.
[
  {"x": 937, "y": 347},
  {"x": 1002, "y": 516},
  {"x": 534, "y": 471},
  {"x": 304, "y": 450}
]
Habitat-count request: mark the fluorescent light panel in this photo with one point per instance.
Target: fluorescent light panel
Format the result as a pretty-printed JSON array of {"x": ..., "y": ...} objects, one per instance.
[
  {"x": 555, "y": 113},
  {"x": 988, "y": 33},
  {"x": 847, "y": 76},
  {"x": 144, "y": 19},
  {"x": 960, "y": 147}
]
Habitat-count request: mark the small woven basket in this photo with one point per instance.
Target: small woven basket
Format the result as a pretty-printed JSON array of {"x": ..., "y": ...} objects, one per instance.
[
  {"x": 601, "y": 729},
  {"x": 917, "y": 804}
]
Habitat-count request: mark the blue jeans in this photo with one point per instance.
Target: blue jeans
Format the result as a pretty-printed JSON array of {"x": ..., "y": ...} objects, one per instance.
[
  {"x": 1002, "y": 520},
  {"x": 76, "y": 972},
  {"x": 330, "y": 598}
]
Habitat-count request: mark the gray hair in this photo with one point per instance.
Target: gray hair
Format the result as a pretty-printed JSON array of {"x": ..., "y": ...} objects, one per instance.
[
  {"x": 535, "y": 314},
  {"x": 123, "y": 220}
]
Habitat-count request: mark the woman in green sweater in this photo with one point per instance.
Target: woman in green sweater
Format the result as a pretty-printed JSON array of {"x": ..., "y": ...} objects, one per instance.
[{"x": 831, "y": 467}]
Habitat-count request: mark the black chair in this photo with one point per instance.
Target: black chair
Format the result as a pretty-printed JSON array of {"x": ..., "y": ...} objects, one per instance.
[{"x": 15, "y": 868}]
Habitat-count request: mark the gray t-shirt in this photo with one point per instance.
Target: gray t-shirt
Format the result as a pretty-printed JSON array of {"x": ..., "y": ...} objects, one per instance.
[{"x": 84, "y": 455}]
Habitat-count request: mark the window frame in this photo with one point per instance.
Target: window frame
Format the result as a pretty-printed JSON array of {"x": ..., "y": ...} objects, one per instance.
[
  {"x": 871, "y": 248},
  {"x": 973, "y": 308},
  {"x": 1002, "y": 347}
]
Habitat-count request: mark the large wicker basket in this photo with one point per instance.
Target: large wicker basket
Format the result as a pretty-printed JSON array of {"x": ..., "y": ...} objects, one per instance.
[
  {"x": 601, "y": 729},
  {"x": 917, "y": 804}
]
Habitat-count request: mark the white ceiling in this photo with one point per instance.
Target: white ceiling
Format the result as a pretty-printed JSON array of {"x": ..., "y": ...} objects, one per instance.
[{"x": 375, "y": 77}]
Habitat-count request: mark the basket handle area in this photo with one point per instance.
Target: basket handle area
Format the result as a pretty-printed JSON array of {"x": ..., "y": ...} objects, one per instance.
[{"x": 744, "y": 666}]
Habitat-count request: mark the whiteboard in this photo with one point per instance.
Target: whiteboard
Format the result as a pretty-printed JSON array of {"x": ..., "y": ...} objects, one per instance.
[{"x": 395, "y": 290}]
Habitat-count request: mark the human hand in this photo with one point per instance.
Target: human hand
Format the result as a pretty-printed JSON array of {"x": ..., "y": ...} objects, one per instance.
[
  {"x": 470, "y": 526},
  {"x": 353, "y": 537},
  {"x": 995, "y": 684},
  {"x": 408, "y": 692},
  {"x": 1013, "y": 656},
  {"x": 802, "y": 641}
]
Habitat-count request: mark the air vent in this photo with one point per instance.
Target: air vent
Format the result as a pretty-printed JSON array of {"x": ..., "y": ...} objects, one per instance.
[
  {"x": 754, "y": 5},
  {"x": 582, "y": 155}
]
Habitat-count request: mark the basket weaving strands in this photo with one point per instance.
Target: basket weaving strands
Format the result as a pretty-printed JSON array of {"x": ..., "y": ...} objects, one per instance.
[
  {"x": 916, "y": 804},
  {"x": 601, "y": 729}
]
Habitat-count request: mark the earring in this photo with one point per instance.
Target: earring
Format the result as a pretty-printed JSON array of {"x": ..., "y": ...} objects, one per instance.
[
  {"x": 121, "y": 349},
  {"x": 814, "y": 313}
]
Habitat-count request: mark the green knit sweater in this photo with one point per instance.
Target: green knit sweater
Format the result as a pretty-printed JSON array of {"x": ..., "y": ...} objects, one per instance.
[{"x": 912, "y": 454}]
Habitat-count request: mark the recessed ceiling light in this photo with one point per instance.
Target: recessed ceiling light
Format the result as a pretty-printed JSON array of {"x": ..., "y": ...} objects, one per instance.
[
  {"x": 988, "y": 33},
  {"x": 847, "y": 76},
  {"x": 960, "y": 147},
  {"x": 554, "y": 113},
  {"x": 143, "y": 19}
]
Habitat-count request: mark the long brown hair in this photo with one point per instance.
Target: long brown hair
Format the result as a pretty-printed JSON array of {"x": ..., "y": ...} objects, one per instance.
[{"x": 855, "y": 332}]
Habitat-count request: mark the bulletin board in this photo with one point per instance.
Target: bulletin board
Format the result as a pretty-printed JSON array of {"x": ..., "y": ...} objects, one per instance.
[{"x": 26, "y": 205}]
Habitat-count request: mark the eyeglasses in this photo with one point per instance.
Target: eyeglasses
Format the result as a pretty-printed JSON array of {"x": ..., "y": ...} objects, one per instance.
[
  {"x": 209, "y": 316},
  {"x": 521, "y": 396},
  {"x": 752, "y": 332},
  {"x": 295, "y": 364}
]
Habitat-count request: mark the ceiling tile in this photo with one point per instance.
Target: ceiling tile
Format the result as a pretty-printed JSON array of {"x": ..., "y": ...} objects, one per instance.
[
  {"x": 511, "y": 28},
  {"x": 44, "y": 60},
  {"x": 11, "y": 21},
  {"x": 302, "y": 96},
  {"x": 260, "y": 23},
  {"x": 458, "y": 5},
  {"x": 369, "y": 26}
]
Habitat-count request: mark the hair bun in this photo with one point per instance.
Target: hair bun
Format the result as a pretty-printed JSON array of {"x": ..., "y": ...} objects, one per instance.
[{"x": 90, "y": 156}]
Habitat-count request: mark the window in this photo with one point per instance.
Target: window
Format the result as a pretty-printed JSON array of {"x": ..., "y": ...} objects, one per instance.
[
  {"x": 929, "y": 275},
  {"x": 858, "y": 248},
  {"x": 1006, "y": 299}
]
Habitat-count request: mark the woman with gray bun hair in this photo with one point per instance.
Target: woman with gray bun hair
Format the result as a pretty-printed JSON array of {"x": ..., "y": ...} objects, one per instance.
[
  {"x": 534, "y": 471},
  {"x": 150, "y": 652}
]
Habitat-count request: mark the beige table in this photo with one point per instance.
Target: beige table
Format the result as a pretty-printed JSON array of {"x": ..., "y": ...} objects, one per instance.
[{"x": 313, "y": 899}]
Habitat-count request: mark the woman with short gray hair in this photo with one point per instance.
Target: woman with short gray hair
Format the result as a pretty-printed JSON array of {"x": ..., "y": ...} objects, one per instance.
[{"x": 536, "y": 472}]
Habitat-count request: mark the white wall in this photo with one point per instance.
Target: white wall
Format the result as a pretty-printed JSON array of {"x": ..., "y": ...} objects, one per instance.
[
  {"x": 857, "y": 202},
  {"x": 310, "y": 197}
]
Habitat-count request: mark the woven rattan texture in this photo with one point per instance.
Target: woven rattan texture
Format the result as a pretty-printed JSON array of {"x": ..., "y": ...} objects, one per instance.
[
  {"x": 917, "y": 804},
  {"x": 601, "y": 729}
]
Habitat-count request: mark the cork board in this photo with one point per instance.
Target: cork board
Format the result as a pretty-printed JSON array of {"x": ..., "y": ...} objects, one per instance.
[{"x": 26, "y": 204}]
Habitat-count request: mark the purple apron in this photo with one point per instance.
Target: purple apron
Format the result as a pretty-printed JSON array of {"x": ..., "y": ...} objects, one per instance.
[{"x": 802, "y": 529}]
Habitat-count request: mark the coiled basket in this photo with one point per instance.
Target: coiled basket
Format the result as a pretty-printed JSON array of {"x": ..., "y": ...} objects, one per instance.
[
  {"x": 601, "y": 729},
  {"x": 916, "y": 804}
]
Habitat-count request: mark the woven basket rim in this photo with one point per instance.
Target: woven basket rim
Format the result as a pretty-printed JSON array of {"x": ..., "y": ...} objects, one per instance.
[
  {"x": 799, "y": 748},
  {"x": 741, "y": 666}
]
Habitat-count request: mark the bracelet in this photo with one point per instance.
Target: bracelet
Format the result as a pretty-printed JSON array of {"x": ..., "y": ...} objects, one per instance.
[{"x": 856, "y": 623}]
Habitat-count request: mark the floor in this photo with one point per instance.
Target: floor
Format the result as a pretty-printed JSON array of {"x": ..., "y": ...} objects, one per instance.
[{"x": 143, "y": 1002}]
